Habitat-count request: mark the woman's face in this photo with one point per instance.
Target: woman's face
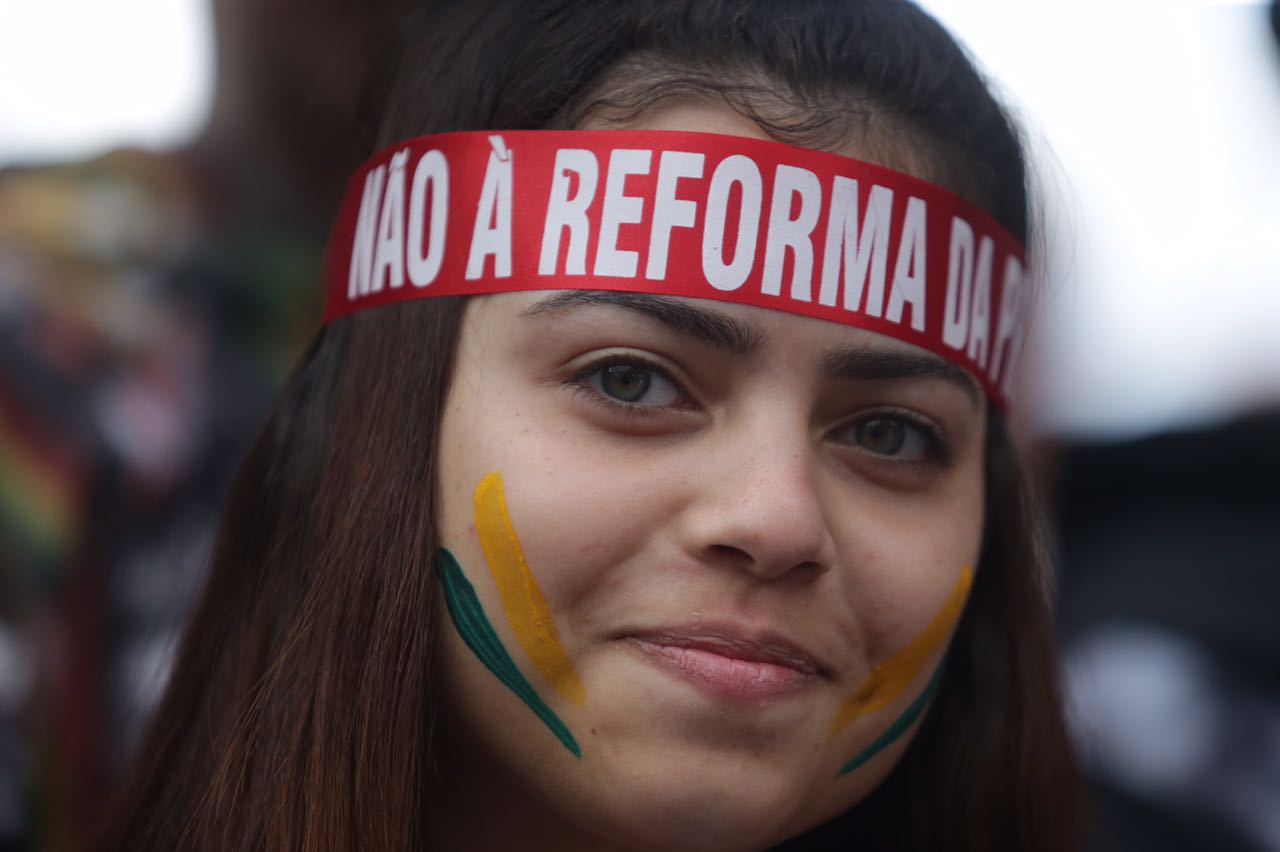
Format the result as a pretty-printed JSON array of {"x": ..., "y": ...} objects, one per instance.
[{"x": 722, "y": 548}]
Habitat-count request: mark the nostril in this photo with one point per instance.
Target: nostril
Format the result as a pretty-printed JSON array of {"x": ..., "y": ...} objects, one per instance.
[
  {"x": 729, "y": 552},
  {"x": 739, "y": 557}
]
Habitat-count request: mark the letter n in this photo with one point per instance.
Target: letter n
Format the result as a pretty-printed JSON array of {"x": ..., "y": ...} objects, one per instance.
[{"x": 358, "y": 278}]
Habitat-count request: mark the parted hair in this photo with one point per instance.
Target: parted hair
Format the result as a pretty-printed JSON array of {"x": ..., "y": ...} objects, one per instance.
[{"x": 299, "y": 712}]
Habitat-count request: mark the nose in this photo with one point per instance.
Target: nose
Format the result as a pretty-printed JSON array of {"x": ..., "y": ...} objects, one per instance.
[{"x": 758, "y": 505}]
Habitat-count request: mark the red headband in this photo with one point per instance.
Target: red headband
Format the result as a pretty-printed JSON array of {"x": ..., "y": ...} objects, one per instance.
[{"x": 683, "y": 214}]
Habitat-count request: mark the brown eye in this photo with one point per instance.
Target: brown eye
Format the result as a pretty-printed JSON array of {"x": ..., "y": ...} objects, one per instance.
[
  {"x": 882, "y": 436},
  {"x": 625, "y": 382}
]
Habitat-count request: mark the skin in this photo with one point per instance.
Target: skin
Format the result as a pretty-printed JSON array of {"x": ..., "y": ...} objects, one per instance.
[{"x": 753, "y": 489}]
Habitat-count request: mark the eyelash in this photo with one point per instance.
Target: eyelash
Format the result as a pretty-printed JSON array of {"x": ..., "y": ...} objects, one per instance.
[
  {"x": 579, "y": 383},
  {"x": 937, "y": 451}
]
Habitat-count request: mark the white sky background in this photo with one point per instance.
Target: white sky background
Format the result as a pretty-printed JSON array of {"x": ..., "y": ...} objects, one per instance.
[
  {"x": 80, "y": 76},
  {"x": 1155, "y": 124}
]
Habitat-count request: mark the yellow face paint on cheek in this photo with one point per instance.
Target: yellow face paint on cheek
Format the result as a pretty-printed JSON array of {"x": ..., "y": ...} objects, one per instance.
[
  {"x": 890, "y": 679},
  {"x": 522, "y": 601}
]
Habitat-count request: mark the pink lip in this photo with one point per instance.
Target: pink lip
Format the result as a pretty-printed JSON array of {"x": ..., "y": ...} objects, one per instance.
[{"x": 729, "y": 664}]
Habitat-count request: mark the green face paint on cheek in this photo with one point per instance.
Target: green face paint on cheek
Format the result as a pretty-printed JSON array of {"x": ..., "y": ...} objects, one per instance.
[
  {"x": 894, "y": 676},
  {"x": 477, "y": 632},
  {"x": 899, "y": 727}
]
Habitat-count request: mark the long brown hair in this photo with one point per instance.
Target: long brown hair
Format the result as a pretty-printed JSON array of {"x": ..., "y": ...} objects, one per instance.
[{"x": 299, "y": 714}]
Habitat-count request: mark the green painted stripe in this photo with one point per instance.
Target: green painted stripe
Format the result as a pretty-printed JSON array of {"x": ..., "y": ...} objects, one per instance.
[
  {"x": 900, "y": 726},
  {"x": 476, "y": 630}
]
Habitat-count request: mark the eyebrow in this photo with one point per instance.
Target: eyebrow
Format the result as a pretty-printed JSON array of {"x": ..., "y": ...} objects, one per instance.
[
  {"x": 722, "y": 332},
  {"x": 862, "y": 364},
  {"x": 736, "y": 337}
]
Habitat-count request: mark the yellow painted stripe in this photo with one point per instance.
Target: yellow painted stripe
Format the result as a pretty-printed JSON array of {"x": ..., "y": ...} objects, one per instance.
[
  {"x": 891, "y": 678},
  {"x": 522, "y": 600}
]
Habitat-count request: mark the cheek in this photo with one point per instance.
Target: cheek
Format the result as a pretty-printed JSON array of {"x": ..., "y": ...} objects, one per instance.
[
  {"x": 579, "y": 508},
  {"x": 901, "y": 557},
  {"x": 580, "y": 523}
]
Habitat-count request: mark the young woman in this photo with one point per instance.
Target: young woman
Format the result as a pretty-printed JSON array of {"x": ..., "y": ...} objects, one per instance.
[{"x": 698, "y": 527}]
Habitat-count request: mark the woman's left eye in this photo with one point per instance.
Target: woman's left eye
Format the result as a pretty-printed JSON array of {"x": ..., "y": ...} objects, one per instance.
[
  {"x": 894, "y": 436},
  {"x": 630, "y": 383}
]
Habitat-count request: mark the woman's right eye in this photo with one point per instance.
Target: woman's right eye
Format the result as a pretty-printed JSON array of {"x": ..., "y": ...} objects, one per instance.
[{"x": 630, "y": 383}]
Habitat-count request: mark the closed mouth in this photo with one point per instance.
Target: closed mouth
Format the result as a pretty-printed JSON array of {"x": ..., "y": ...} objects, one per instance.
[
  {"x": 732, "y": 664},
  {"x": 771, "y": 650}
]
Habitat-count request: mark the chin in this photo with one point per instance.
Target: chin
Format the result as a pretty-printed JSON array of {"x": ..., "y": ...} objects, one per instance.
[
  {"x": 701, "y": 803},
  {"x": 686, "y": 799}
]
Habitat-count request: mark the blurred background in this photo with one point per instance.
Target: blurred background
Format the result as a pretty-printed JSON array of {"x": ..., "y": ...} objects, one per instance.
[{"x": 168, "y": 169}]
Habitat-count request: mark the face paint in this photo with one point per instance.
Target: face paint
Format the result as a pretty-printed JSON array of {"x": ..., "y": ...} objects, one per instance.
[
  {"x": 473, "y": 626},
  {"x": 522, "y": 600},
  {"x": 899, "y": 727},
  {"x": 891, "y": 678}
]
